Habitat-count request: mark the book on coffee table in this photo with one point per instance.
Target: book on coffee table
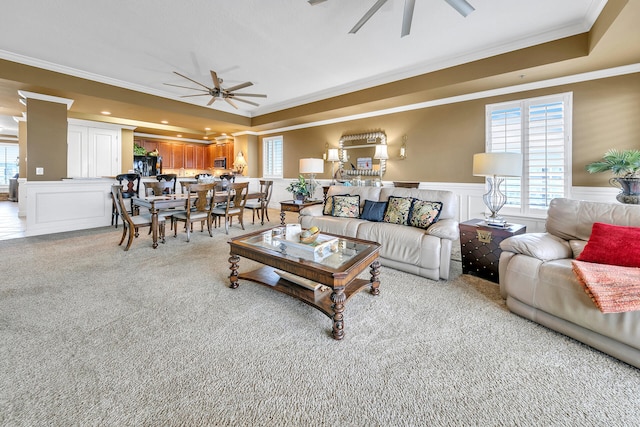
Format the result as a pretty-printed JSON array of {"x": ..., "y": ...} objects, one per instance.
[{"x": 306, "y": 283}]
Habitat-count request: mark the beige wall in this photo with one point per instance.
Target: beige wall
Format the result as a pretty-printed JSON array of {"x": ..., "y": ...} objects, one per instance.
[
  {"x": 47, "y": 140},
  {"x": 127, "y": 149},
  {"x": 441, "y": 140}
]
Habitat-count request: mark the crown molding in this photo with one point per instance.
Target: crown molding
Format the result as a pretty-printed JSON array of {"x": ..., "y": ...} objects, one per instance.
[{"x": 559, "y": 81}]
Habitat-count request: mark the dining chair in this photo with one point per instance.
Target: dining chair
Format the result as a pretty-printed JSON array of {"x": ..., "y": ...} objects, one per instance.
[
  {"x": 199, "y": 202},
  {"x": 234, "y": 205},
  {"x": 170, "y": 180},
  {"x": 130, "y": 183},
  {"x": 131, "y": 223},
  {"x": 261, "y": 204}
]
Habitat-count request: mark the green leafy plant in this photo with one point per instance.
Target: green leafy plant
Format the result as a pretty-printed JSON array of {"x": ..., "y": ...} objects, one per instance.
[
  {"x": 299, "y": 187},
  {"x": 138, "y": 150},
  {"x": 625, "y": 164}
]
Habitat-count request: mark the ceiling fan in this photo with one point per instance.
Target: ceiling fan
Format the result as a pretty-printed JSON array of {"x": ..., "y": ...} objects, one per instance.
[
  {"x": 217, "y": 92},
  {"x": 462, "y": 6}
]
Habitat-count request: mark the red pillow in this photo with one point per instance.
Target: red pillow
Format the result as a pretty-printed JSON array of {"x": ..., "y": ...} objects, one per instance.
[{"x": 613, "y": 245}]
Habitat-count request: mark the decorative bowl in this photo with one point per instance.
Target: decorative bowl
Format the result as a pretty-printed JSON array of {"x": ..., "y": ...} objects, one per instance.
[{"x": 310, "y": 239}]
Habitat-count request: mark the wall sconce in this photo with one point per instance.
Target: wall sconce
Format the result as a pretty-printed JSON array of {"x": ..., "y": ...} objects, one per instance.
[
  {"x": 403, "y": 148},
  {"x": 240, "y": 163}
]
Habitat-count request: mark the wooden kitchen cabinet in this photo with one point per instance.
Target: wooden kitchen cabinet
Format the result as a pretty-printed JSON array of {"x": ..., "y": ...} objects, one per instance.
[
  {"x": 189, "y": 157},
  {"x": 164, "y": 151}
]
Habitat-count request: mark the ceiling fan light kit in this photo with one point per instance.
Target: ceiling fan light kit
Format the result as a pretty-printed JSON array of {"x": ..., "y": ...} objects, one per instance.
[
  {"x": 462, "y": 6},
  {"x": 217, "y": 92}
]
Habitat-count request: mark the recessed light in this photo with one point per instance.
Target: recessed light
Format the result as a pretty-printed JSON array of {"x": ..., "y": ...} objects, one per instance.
[
  {"x": 207, "y": 129},
  {"x": 106, "y": 113},
  {"x": 206, "y": 137},
  {"x": 179, "y": 135},
  {"x": 164, "y": 122}
]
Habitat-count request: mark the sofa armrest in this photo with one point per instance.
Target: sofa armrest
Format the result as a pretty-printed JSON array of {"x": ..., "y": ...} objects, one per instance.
[
  {"x": 543, "y": 246},
  {"x": 445, "y": 229},
  {"x": 313, "y": 210}
]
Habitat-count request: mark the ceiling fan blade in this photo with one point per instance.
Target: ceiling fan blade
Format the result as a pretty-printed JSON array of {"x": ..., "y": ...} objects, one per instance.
[
  {"x": 187, "y": 87},
  {"x": 231, "y": 103},
  {"x": 407, "y": 17},
  {"x": 240, "y": 86},
  {"x": 259, "y": 95},
  {"x": 214, "y": 77},
  {"x": 245, "y": 101},
  {"x": 191, "y": 80},
  {"x": 314, "y": 2},
  {"x": 367, "y": 16},
  {"x": 197, "y": 94},
  {"x": 213, "y": 99},
  {"x": 462, "y": 6}
]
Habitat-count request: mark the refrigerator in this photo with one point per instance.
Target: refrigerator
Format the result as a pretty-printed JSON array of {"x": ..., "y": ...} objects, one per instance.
[{"x": 147, "y": 165}]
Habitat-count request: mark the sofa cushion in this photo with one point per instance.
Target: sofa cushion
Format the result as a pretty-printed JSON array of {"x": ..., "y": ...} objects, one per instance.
[
  {"x": 346, "y": 206},
  {"x": 424, "y": 213},
  {"x": 373, "y": 211},
  {"x": 543, "y": 246},
  {"x": 613, "y": 245},
  {"x": 398, "y": 210}
]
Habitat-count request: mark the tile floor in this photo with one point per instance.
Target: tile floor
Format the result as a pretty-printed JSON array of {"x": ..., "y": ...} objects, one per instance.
[{"x": 11, "y": 226}]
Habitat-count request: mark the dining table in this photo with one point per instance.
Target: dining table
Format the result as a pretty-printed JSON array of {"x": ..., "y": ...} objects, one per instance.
[{"x": 179, "y": 200}]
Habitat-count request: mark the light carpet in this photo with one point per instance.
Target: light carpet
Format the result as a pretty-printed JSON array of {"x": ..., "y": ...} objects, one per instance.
[{"x": 93, "y": 335}]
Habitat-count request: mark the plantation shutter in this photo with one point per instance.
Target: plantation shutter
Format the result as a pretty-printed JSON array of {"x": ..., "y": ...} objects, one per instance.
[
  {"x": 539, "y": 128},
  {"x": 273, "y": 158}
]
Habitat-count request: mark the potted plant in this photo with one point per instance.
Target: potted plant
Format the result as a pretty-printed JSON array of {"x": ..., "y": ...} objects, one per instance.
[
  {"x": 299, "y": 189},
  {"x": 625, "y": 165}
]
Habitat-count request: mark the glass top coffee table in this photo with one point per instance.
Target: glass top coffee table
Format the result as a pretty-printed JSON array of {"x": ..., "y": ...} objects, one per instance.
[{"x": 323, "y": 274}]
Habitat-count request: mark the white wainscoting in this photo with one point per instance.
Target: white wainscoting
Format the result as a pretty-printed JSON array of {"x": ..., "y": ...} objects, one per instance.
[
  {"x": 56, "y": 206},
  {"x": 470, "y": 203}
]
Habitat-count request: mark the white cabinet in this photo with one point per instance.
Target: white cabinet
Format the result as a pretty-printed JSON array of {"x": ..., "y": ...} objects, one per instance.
[{"x": 93, "y": 151}]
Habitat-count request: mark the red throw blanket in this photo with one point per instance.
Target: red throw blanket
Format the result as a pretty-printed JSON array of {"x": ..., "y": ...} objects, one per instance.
[{"x": 612, "y": 288}]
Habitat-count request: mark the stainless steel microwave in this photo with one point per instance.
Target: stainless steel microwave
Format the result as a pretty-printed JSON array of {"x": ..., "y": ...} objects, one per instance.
[{"x": 220, "y": 162}]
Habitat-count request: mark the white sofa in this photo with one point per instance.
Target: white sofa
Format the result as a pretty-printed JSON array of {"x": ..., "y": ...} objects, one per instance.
[
  {"x": 418, "y": 251},
  {"x": 538, "y": 282}
]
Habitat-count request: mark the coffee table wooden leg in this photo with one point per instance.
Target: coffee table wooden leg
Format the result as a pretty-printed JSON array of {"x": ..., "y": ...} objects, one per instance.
[
  {"x": 375, "y": 278},
  {"x": 338, "y": 298},
  {"x": 233, "y": 277},
  {"x": 282, "y": 216}
]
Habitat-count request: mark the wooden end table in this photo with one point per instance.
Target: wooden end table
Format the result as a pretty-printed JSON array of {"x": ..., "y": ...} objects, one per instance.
[
  {"x": 480, "y": 247},
  {"x": 293, "y": 206},
  {"x": 338, "y": 271}
]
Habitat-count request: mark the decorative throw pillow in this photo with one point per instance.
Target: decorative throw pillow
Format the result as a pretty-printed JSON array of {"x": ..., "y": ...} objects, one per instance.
[
  {"x": 373, "y": 211},
  {"x": 328, "y": 206},
  {"x": 613, "y": 245},
  {"x": 346, "y": 206},
  {"x": 398, "y": 210},
  {"x": 424, "y": 213}
]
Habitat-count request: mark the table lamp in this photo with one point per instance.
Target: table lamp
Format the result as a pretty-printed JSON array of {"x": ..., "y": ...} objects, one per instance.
[
  {"x": 496, "y": 166},
  {"x": 382, "y": 155},
  {"x": 240, "y": 163},
  {"x": 332, "y": 156},
  {"x": 312, "y": 167}
]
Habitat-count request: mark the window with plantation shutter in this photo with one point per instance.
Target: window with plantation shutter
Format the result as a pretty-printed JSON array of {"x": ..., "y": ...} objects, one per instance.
[
  {"x": 540, "y": 129},
  {"x": 8, "y": 162},
  {"x": 272, "y": 162}
]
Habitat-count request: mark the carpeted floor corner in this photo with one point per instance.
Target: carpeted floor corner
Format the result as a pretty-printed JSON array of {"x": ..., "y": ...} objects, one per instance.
[{"x": 93, "y": 335}]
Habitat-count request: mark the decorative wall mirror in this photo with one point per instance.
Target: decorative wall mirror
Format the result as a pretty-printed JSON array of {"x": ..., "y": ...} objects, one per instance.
[{"x": 363, "y": 154}]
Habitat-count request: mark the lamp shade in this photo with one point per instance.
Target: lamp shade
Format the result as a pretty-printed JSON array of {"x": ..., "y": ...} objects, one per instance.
[
  {"x": 381, "y": 152},
  {"x": 498, "y": 164},
  {"x": 311, "y": 166},
  {"x": 332, "y": 155}
]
